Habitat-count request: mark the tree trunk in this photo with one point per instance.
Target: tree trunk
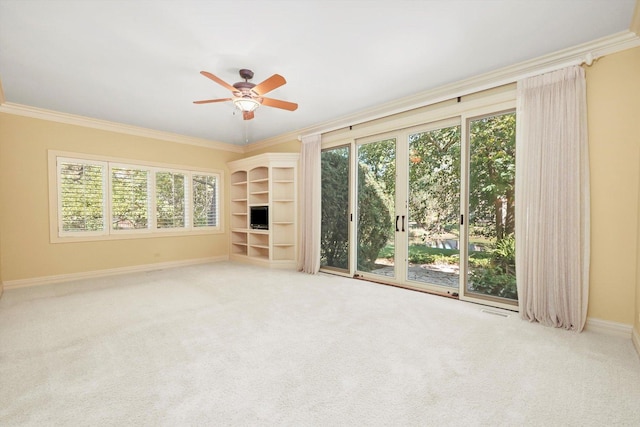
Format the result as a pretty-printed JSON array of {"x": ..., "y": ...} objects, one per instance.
[{"x": 497, "y": 203}]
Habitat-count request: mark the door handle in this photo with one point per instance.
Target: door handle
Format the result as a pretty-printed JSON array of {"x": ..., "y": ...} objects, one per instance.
[
  {"x": 402, "y": 222},
  {"x": 397, "y": 218}
]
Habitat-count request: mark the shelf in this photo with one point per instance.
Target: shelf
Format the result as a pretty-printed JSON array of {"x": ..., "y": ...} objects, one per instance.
[{"x": 268, "y": 179}]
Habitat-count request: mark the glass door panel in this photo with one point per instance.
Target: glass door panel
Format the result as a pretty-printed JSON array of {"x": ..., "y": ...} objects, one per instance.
[
  {"x": 434, "y": 207},
  {"x": 491, "y": 260},
  {"x": 376, "y": 218},
  {"x": 334, "y": 228}
]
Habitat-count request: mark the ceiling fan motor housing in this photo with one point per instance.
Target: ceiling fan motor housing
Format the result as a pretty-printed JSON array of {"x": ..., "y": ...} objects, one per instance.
[{"x": 246, "y": 74}]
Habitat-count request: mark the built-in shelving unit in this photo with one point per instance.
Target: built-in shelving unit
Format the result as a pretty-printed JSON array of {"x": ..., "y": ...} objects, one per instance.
[{"x": 265, "y": 180}]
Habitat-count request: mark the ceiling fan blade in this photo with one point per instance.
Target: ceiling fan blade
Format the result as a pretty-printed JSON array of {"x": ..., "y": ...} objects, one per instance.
[
  {"x": 218, "y": 80},
  {"x": 247, "y": 115},
  {"x": 208, "y": 101},
  {"x": 270, "y": 84},
  {"x": 270, "y": 102}
]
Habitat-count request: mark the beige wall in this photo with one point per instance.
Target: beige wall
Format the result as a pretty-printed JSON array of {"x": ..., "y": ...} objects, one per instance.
[
  {"x": 25, "y": 250},
  {"x": 613, "y": 98},
  {"x": 288, "y": 146}
]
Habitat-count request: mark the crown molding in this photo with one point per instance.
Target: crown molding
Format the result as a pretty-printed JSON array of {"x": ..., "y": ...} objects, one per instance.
[
  {"x": 72, "y": 119},
  {"x": 582, "y": 54},
  {"x": 270, "y": 142}
]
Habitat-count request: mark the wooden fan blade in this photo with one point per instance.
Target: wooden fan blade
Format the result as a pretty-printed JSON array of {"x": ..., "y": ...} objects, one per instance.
[
  {"x": 270, "y": 84},
  {"x": 247, "y": 115},
  {"x": 270, "y": 102},
  {"x": 208, "y": 101},
  {"x": 218, "y": 80}
]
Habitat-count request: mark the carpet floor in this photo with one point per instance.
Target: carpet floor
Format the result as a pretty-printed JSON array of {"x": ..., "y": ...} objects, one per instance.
[{"x": 230, "y": 344}]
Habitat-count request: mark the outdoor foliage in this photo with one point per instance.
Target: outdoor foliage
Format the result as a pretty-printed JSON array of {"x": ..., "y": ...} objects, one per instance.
[
  {"x": 376, "y": 204},
  {"x": 83, "y": 197},
  {"x": 434, "y": 180},
  {"x": 205, "y": 201},
  {"x": 374, "y": 220},
  {"x": 129, "y": 198},
  {"x": 492, "y": 176},
  {"x": 170, "y": 200},
  {"x": 434, "y": 160},
  {"x": 335, "y": 208},
  {"x": 498, "y": 278}
]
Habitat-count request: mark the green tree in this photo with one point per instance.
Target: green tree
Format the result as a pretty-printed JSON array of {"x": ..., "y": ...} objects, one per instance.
[
  {"x": 376, "y": 199},
  {"x": 170, "y": 200},
  {"x": 492, "y": 175},
  {"x": 129, "y": 198},
  {"x": 375, "y": 226},
  {"x": 205, "y": 201},
  {"x": 434, "y": 179},
  {"x": 81, "y": 193}
]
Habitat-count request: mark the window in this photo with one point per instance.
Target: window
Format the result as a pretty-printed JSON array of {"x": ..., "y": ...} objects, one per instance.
[
  {"x": 205, "y": 201},
  {"x": 100, "y": 199},
  {"x": 129, "y": 198},
  {"x": 171, "y": 206},
  {"x": 81, "y": 196}
]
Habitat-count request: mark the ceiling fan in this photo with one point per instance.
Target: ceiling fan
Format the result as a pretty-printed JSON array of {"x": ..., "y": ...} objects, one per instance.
[{"x": 248, "y": 96}]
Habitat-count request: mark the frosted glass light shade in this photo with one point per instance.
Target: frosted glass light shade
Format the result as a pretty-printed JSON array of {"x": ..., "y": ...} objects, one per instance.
[{"x": 246, "y": 104}]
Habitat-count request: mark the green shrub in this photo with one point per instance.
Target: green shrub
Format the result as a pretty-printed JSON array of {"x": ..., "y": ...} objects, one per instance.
[{"x": 497, "y": 275}]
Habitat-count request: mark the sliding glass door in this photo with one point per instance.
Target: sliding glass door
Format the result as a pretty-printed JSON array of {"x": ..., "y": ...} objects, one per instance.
[
  {"x": 431, "y": 208},
  {"x": 334, "y": 229},
  {"x": 376, "y": 213},
  {"x": 433, "y": 239},
  {"x": 491, "y": 197}
]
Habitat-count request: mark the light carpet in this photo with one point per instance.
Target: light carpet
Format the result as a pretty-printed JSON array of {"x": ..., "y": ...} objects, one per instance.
[{"x": 229, "y": 344}]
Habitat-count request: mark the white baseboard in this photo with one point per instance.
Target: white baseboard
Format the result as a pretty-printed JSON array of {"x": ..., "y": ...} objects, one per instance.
[
  {"x": 608, "y": 327},
  {"x": 46, "y": 280},
  {"x": 635, "y": 337}
]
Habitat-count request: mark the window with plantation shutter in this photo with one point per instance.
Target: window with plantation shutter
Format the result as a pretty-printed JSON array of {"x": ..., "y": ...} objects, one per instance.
[
  {"x": 205, "y": 200},
  {"x": 81, "y": 196},
  {"x": 129, "y": 198},
  {"x": 171, "y": 204},
  {"x": 99, "y": 198}
]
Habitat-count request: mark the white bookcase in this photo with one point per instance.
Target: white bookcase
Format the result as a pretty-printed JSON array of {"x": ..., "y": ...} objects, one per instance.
[{"x": 265, "y": 180}]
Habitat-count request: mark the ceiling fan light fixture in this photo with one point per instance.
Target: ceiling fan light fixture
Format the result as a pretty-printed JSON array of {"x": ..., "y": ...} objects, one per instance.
[{"x": 246, "y": 104}]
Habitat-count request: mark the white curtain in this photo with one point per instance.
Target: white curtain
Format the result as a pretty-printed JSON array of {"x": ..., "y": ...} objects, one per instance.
[
  {"x": 310, "y": 198},
  {"x": 552, "y": 199}
]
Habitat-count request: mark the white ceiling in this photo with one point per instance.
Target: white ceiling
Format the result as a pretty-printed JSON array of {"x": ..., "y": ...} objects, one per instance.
[{"x": 138, "y": 62}]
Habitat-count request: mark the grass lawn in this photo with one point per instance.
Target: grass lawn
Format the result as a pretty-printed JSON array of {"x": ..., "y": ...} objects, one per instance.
[{"x": 421, "y": 254}]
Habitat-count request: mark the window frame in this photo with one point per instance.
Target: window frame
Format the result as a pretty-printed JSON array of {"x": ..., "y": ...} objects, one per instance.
[{"x": 57, "y": 235}]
